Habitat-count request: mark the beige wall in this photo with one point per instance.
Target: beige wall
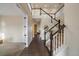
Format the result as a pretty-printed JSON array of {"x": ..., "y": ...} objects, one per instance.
[
  {"x": 12, "y": 27},
  {"x": 71, "y": 13}
]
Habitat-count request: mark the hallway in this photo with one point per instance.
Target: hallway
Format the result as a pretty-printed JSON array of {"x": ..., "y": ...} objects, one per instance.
[{"x": 36, "y": 48}]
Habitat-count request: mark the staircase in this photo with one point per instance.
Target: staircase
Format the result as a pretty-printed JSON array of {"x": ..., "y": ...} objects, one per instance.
[
  {"x": 55, "y": 34},
  {"x": 56, "y": 40}
]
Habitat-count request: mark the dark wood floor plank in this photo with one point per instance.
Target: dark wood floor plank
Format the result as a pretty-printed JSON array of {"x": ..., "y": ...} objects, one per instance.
[{"x": 36, "y": 48}]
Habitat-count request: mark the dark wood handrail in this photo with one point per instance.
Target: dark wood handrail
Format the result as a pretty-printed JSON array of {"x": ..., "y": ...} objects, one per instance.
[
  {"x": 58, "y": 9},
  {"x": 49, "y": 15},
  {"x": 55, "y": 19},
  {"x": 43, "y": 11},
  {"x": 57, "y": 30},
  {"x": 62, "y": 27},
  {"x": 46, "y": 12},
  {"x": 39, "y": 9},
  {"x": 52, "y": 27}
]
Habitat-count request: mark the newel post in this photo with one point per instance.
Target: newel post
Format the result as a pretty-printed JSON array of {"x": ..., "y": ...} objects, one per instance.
[
  {"x": 51, "y": 44},
  {"x": 44, "y": 38},
  {"x": 59, "y": 25},
  {"x": 59, "y": 28}
]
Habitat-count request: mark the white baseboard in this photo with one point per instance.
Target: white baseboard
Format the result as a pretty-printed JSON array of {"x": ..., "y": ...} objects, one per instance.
[{"x": 62, "y": 51}]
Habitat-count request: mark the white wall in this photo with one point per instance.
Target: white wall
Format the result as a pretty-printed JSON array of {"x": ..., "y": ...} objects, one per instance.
[
  {"x": 25, "y": 8},
  {"x": 12, "y": 27},
  {"x": 45, "y": 20},
  {"x": 25, "y": 29},
  {"x": 36, "y": 14},
  {"x": 60, "y": 16},
  {"x": 71, "y": 13}
]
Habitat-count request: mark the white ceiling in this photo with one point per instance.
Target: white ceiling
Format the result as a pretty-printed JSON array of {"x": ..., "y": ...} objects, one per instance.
[
  {"x": 49, "y": 7},
  {"x": 9, "y": 9},
  {"x": 46, "y": 5}
]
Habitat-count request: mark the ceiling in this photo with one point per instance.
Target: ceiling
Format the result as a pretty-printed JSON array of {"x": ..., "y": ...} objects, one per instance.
[
  {"x": 49, "y": 7},
  {"x": 9, "y": 9}
]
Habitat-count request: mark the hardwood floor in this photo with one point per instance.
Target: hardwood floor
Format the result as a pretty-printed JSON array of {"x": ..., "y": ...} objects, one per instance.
[
  {"x": 11, "y": 48},
  {"x": 36, "y": 48}
]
